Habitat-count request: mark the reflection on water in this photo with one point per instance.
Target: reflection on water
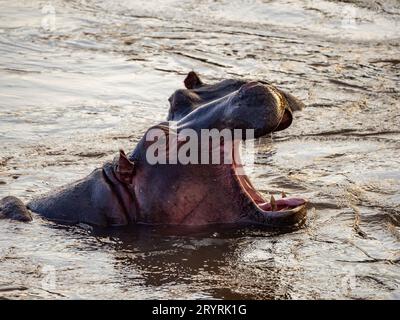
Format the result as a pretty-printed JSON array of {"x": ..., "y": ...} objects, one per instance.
[
  {"x": 74, "y": 92},
  {"x": 146, "y": 262}
]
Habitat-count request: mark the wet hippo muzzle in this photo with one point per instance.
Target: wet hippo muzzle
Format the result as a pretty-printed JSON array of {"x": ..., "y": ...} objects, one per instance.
[{"x": 198, "y": 93}]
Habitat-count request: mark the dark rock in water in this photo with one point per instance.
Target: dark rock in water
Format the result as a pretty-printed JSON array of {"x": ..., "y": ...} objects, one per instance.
[{"x": 13, "y": 208}]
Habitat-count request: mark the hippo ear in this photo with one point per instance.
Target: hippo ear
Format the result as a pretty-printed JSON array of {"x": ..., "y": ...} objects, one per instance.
[
  {"x": 286, "y": 121},
  {"x": 124, "y": 168},
  {"x": 192, "y": 81}
]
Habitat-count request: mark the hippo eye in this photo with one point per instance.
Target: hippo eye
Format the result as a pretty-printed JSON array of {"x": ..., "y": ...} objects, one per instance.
[{"x": 241, "y": 94}]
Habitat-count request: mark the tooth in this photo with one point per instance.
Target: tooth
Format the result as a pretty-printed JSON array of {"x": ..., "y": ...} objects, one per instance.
[
  {"x": 283, "y": 194},
  {"x": 273, "y": 203}
]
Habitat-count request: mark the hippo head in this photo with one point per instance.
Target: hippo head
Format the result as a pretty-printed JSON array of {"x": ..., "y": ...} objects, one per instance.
[
  {"x": 254, "y": 104},
  {"x": 196, "y": 193}
]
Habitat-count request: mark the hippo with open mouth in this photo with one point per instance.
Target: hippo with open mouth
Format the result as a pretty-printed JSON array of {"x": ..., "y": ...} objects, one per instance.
[{"x": 133, "y": 190}]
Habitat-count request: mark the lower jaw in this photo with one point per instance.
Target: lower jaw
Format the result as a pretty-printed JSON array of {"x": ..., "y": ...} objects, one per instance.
[
  {"x": 272, "y": 205},
  {"x": 279, "y": 209},
  {"x": 281, "y": 204}
]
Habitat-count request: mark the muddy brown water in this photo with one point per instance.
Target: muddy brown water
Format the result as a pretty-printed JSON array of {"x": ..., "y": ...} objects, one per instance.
[{"x": 80, "y": 79}]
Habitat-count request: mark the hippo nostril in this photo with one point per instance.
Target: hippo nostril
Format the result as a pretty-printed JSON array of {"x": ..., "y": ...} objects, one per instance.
[
  {"x": 244, "y": 89},
  {"x": 248, "y": 85}
]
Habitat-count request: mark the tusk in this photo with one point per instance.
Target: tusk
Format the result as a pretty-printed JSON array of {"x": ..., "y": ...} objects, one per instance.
[{"x": 273, "y": 203}]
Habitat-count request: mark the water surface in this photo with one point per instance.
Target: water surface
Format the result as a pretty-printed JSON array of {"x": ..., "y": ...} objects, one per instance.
[{"x": 80, "y": 79}]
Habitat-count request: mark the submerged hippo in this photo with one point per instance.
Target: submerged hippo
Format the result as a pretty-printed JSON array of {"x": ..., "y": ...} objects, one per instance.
[{"x": 132, "y": 190}]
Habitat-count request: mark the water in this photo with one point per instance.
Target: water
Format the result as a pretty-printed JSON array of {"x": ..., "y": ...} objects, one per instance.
[{"x": 80, "y": 79}]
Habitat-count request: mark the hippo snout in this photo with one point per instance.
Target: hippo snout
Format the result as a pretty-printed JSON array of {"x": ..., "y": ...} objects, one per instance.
[
  {"x": 262, "y": 107},
  {"x": 242, "y": 105}
]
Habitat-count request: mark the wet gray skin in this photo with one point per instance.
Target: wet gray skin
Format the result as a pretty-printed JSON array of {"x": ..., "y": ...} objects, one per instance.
[
  {"x": 197, "y": 93},
  {"x": 131, "y": 190}
]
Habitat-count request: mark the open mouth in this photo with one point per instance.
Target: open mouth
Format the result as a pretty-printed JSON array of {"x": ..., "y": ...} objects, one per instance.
[
  {"x": 284, "y": 204},
  {"x": 273, "y": 204}
]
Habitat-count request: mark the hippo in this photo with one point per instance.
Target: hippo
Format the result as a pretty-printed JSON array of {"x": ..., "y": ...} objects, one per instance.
[{"x": 133, "y": 190}]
